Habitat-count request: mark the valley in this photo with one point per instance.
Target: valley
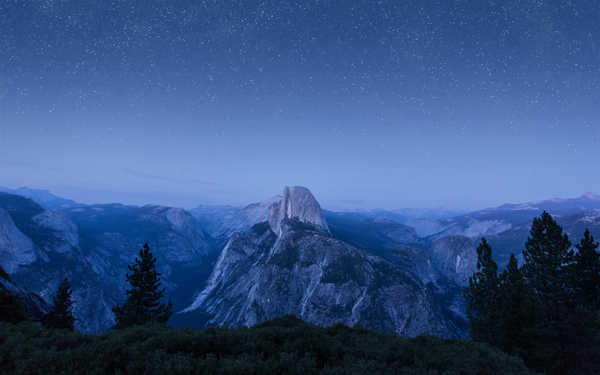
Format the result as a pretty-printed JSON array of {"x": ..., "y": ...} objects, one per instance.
[{"x": 239, "y": 266}]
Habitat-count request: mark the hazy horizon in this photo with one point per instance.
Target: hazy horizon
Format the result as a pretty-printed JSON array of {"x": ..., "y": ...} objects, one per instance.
[
  {"x": 403, "y": 104},
  {"x": 137, "y": 199}
]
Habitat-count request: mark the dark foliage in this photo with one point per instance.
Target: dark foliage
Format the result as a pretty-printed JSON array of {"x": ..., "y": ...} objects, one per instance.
[
  {"x": 11, "y": 308},
  {"x": 279, "y": 347},
  {"x": 61, "y": 314},
  {"x": 585, "y": 274},
  {"x": 546, "y": 311},
  {"x": 143, "y": 299},
  {"x": 482, "y": 296}
]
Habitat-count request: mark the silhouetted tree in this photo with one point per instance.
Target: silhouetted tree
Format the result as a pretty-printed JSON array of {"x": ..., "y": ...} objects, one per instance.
[
  {"x": 581, "y": 328},
  {"x": 547, "y": 310},
  {"x": 585, "y": 274},
  {"x": 481, "y": 296},
  {"x": 547, "y": 254},
  {"x": 143, "y": 299},
  {"x": 61, "y": 314},
  {"x": 516, "y": 310}
]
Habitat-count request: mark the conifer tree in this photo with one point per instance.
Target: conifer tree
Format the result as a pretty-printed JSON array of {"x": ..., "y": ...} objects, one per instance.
[
  {"x": 517, "y": 312},
  {"x": 585, "y": 274},
  {"x": 61, "y": 314},
  {"x": 481, "y": 296},
  {"x": 143, "y": 304},
  {"x": 582, "y": 327},
  {"x": 547, "y": 255}
]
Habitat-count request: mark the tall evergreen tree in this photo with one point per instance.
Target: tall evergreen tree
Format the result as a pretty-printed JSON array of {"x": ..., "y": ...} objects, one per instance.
[
  {"x": 547, "y": 310},
  {"x": 581, "y": 327},
  {"x": 547, "y": 255},
  {"x": 143, "y": 299},
  {"x": 61, "y": 314},
  {"x": 481, "y": 296},
  {"x": 517, "y": 313},
  {"x": 585, "y": 274}
]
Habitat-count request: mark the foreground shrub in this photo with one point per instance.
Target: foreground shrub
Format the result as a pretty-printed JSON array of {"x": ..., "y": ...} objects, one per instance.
[{"x": 281, "y": 346}]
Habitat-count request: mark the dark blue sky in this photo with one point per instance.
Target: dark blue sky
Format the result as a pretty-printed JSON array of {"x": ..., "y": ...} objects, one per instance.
[{"x": 368, "y": 103}]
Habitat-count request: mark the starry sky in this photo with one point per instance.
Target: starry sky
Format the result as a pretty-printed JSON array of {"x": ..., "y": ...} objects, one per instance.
[{"x": 453, "y": 103}]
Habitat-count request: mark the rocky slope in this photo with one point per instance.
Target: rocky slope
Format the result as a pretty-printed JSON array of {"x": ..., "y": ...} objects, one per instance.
[
  {"x": 35, "y": 306},
  {"x": 221, "y": 222},
  {"x": 92, "y": 246},
  {"x": 44, "y": 198},
  {"x": 291, "y": 264},
  {"x": 16, "y": 249},
  {"x": 455, "y": 258}
]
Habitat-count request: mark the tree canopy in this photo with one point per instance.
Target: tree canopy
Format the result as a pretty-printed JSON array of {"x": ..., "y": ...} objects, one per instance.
[
  {"x": 61, "y": 314},
  {"x": 143, "y": 304},
  {"x": 545, "y": 311}
]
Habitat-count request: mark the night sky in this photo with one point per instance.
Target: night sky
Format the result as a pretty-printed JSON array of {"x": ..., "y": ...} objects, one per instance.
[{"x": 368, "y": 103}]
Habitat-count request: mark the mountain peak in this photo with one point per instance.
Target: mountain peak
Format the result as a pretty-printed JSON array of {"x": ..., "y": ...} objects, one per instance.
[
  {"x": 298, "y": 203},
  {"x": 590, "y": 196}
]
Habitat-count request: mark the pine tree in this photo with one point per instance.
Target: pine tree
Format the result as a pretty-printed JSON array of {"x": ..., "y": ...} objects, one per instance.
[
  {"x": 547, "y": 255},
  {"x": 517, "y": 314},
  {"x": 548, "y": 259},
  {"x": 581, "y": 327},
  {"x": 481, "y": 296},
  {"x": 585, "y": 274},
  {"x": 61, "y": 314},
  {"x": 143, "y": 299}
]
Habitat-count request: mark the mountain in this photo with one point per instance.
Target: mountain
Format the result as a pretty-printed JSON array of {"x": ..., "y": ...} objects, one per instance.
[
  {"x": 507, "y": 226},
  {"x": 291, "y": 264},
  {"x": 243, "y": 265},
  {"x": 33, "y": 305},
  {"x": 297, "y": 203},
  {"x": 92, "y": 246},
  {"x": 15, "y": 248},
  {"x": 407, "y": 215},
  {"x": 49, "y": 258},
  {"x": 492, "y": 221},
  {"x": 220, "y": 222},
  {"x": 44, "y": 198}
]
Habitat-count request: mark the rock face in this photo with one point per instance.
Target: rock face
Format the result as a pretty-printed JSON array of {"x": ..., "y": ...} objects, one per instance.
[
  {"x": 455, "y": 257},
  {"x": 35, "y": 307},
  {"x": 297, "y": 203},
  {"x": 62, "y": 227},
  {"x": 222, "y": 221},
  {"x": 292, "y": 265},
  {"x": 15, "y": 248},
  {"x": 92, "y": 246}
]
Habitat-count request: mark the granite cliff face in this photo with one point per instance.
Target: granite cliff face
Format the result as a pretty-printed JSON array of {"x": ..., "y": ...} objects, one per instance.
[
  {"x": 455, "y": 257},
  {"x": 16, "y": 249},
  {"x": 297, "y": 203},
  {"x": 35, "y": 307},
  {"x": 291, "y": 264}
]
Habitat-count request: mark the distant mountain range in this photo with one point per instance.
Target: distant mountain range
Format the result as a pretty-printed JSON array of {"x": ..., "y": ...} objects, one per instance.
[
  {"x": 44, "y": 198},
  {"x": 400, "y": 271}
]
